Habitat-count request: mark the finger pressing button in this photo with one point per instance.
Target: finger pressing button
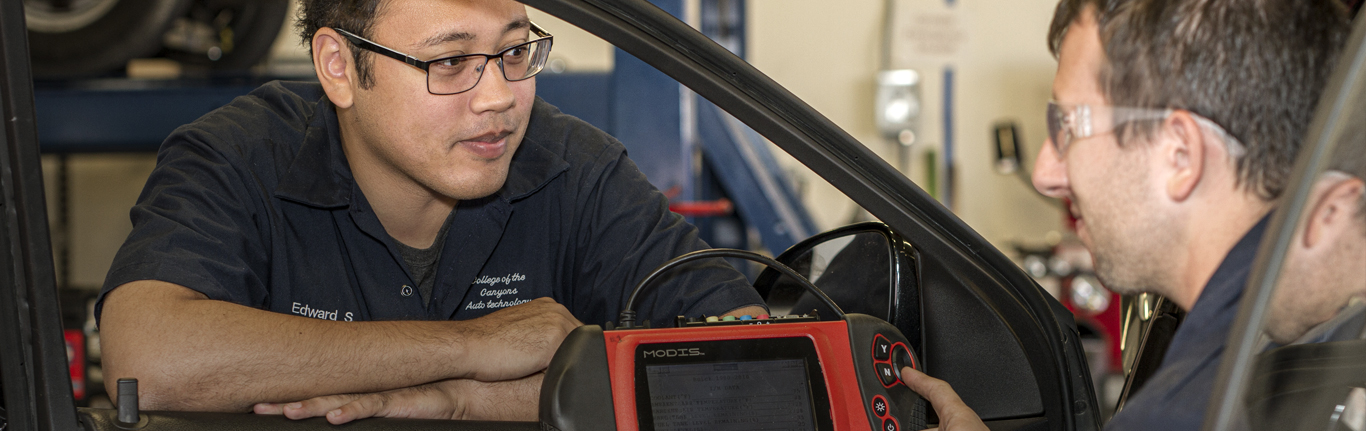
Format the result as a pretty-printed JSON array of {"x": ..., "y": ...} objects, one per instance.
[{"x": 901, "y": 357}]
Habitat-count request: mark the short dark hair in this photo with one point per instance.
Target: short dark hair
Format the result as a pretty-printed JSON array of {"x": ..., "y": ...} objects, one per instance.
[
  {"x": 355, "y": 16},
  {"x": 1255, "y": 67}
]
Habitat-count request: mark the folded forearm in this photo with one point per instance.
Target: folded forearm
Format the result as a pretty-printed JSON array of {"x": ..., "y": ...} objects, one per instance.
[
  {"x": 191, "y": 353},
  {"x": 512, "y": 400}
]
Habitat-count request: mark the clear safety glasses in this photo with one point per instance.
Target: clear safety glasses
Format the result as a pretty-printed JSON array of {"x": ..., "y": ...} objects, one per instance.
[{"x": 1067, "y": 123}]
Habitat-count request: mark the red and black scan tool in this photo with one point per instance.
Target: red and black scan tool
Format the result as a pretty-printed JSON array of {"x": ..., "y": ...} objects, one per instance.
[{"x": 787, "y": 372}]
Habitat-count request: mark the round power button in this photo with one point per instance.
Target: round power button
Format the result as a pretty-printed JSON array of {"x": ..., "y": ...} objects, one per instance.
[{"x": 889, "y": 424}]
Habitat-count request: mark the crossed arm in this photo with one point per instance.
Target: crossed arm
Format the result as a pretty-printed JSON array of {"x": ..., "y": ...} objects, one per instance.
[
  {"x": 192, "y": 353},
  {"x": 439, "y": 400}
]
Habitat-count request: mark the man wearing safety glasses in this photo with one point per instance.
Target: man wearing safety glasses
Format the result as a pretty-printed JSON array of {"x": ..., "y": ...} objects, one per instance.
[
  {"x": 1172, "y": 133},
  {"x": 417, "y": 230}
]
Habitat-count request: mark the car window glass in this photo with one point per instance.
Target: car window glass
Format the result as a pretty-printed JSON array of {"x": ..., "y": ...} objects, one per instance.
[
  {"x": 725, "y": 151},
  {"x": 1309, "y": 371},
  {"x": 853, "y": 270}
]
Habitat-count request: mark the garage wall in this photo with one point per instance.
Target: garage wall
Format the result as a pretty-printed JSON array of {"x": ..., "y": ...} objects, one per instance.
[
  {"x": 825, "y": 54},
  {"x": 102, "y": 189},
  {"x": 1002, "y": 70}
]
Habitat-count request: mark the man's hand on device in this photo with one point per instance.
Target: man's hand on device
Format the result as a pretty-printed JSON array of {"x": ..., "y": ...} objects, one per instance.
[
  {"x": 953, "y": 414},
  {"x": 752, "y": 310},
  {"x": 463, "y": 399}
]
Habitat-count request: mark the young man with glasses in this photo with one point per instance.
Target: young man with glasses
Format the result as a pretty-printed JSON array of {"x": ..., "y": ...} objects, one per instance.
[
  {"x": 1173, "y": 128},
  {"x": 417, "y": 226}
]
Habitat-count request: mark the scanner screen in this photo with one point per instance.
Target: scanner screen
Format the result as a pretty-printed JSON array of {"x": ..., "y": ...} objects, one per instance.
[{"x": 724, "y": 396}]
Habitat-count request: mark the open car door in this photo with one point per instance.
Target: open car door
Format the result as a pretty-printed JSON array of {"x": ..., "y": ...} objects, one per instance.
[{"x": 1009, "y": 348}]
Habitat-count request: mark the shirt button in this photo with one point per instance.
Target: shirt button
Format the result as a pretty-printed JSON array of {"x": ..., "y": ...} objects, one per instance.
[{"x": 406, "y": 290}]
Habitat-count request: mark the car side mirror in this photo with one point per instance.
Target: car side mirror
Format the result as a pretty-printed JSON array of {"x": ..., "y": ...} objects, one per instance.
[{"x": 866, "y": 268}]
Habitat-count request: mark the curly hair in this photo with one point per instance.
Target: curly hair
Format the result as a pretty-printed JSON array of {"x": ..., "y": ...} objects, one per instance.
[
  {"x": 356, "y": 16},
  {"x": 1255, "y": 67}
]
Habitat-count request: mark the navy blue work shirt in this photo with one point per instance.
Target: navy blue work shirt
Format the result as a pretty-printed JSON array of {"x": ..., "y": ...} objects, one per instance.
[
  {"x": 255, "y": 204},
  {"x": 1176, "y": 396}
]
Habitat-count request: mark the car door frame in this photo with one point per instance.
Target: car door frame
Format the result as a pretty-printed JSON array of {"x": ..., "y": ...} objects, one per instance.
[{"x": 33, "y": 374}]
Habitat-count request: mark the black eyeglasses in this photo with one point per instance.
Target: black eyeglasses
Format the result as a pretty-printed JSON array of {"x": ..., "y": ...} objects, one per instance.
[{"x": 461, "y": 73}]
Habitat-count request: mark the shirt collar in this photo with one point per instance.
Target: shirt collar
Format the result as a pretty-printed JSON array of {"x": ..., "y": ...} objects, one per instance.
[
  {"x": 1226, "y": 285},
  {"x": 320, "y": 176},
  {"x": 535, "y": 163},
  {"x": 1200, "y": 337},
  {"x": 1348, "y": 324}
]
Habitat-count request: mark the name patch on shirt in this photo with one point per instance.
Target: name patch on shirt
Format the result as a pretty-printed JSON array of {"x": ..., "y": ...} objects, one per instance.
[
  {"x": 306, "y": 311},
  {"x": 491, "y": 297}
]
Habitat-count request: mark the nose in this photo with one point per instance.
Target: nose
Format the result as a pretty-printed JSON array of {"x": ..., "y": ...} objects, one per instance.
[
  {"x": 1050, "y": 172},
  {"x": 493, "y": 92}
]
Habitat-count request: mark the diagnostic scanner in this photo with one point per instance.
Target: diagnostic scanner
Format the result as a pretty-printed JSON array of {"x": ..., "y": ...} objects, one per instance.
[{"x": 749, "y": 373}]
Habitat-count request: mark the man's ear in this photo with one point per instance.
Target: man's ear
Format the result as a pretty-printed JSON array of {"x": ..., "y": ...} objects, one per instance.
[
  {"x": 1183, "y": 154},
  {"x": 1334, "y": 205},
  {"x": 331, "y": 61}
]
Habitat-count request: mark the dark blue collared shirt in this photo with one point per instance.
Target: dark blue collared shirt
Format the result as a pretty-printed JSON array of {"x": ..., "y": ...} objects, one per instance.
[
  {"x": 255, "y": 204},
  {"x": 1176, "y": 396}
]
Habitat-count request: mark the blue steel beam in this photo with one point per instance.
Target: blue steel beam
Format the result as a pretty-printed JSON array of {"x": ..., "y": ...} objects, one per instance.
[
  {"x": 648, "y": 117},
  {"x": 109, "y": 116},
  {"x": 757, "y": 185}
]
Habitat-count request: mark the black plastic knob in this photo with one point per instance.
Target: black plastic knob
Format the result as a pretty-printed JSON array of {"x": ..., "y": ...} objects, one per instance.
[{"x": 128, "y": 401}]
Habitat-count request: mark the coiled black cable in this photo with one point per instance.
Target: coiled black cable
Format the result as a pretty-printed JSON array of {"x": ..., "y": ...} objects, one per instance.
[{"x": 628, "y": 315}]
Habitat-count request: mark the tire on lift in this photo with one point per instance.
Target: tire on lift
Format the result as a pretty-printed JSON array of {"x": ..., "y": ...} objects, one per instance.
[
  {"x": 85, "y": 38},
  {"x": 94, "y": 38},
  {"x": 250, "y": 27}
]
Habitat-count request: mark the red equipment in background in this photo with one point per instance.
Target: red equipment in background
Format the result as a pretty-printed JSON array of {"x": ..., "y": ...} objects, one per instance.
[{"x": 75, "y": 359}]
